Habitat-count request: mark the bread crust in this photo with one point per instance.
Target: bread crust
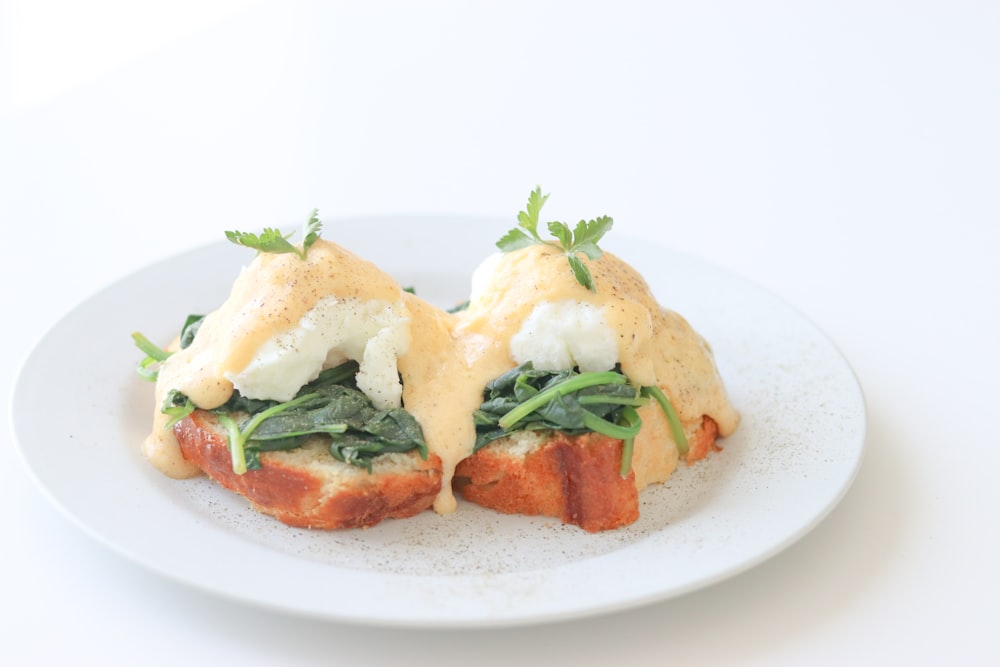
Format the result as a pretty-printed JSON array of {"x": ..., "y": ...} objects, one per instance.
[
  {"x": 307, "y": 490},
  {"x": 573, "y": 478},
  {"x": 703, "y": 440}
]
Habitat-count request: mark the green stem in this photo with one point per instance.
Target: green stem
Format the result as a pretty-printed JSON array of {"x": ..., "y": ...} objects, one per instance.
[
  {"x": 631, "y": 417},
  {"x": 256, "y": 420},
  {"x": 145, "y": 372},
  {"x": 235, "y": 440},
  {"x": 599, "y": 399},
  {"x": 610, "y": 429},
  {"x": 150, "y": 348},
  {"x": 674, "y": 421},
  {"x": 237, "y": 437}
]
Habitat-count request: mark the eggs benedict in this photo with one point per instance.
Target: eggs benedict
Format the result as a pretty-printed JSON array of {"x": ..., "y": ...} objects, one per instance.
[
  {"x": 331, "y": 397},
  {"x": 640, "y": 388},
  {"x": 291, "y": 393}
]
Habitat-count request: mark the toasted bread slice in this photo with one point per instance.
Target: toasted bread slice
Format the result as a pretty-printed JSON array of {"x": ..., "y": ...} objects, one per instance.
[
  {"x": 573, "y": 478},
  {"x": 307, "y": 487}
]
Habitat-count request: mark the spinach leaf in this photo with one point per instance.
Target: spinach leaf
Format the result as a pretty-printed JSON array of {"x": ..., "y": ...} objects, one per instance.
[
  {"x": 330, "y": 406},
  {"x": 358, "y": 431},
  {"x": 389, "y": 431},
  {"x": 190, "y": 329},
  {"x": 526, "y": 398}
]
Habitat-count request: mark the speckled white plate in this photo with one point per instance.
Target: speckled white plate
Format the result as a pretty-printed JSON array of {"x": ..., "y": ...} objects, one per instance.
[{"x": 795, "y": 455}]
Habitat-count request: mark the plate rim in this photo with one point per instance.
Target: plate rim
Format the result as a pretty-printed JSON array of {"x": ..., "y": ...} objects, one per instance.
[{"x": 462, "y": 620}]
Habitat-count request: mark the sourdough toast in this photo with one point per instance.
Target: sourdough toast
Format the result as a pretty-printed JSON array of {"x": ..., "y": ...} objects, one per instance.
[
  {"x": 307, "y": 487},
  {"x": 575, "y": 478}
]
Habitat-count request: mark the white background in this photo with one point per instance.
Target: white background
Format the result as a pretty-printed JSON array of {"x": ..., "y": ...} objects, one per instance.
[{"x": 844, "y": 155}]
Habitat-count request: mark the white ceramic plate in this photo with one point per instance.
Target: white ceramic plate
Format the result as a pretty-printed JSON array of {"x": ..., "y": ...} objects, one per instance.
[{"x": 796, "y": 453}]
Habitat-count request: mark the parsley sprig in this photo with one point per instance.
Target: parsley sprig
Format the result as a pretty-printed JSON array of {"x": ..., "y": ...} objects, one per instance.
[
  {"x": 272, "y": 240},
  {"x": 581, "y": 239}
]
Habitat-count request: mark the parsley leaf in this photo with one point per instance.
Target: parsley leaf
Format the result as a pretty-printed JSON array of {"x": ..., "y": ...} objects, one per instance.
[
  {"x": 581, "y": 239},
  {"x": 272, "y": 240},
  {"x": 515, "y": 239},
  {"x": 529, "y": 218},
  {"x": 310, "y": 231}
]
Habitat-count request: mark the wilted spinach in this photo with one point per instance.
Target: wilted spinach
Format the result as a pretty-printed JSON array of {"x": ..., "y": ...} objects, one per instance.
[
  {"x": 330, "y": 406},
  {"x": 574, "y": 402}
]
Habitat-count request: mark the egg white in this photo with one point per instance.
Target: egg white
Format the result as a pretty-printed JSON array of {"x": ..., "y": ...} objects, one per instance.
[
  {"x": 566, "y": 334},
  {"x": 373, "y": 333}
]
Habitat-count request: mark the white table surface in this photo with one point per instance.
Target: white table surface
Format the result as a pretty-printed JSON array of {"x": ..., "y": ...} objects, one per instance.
[{"x": 843, "y": 155}]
